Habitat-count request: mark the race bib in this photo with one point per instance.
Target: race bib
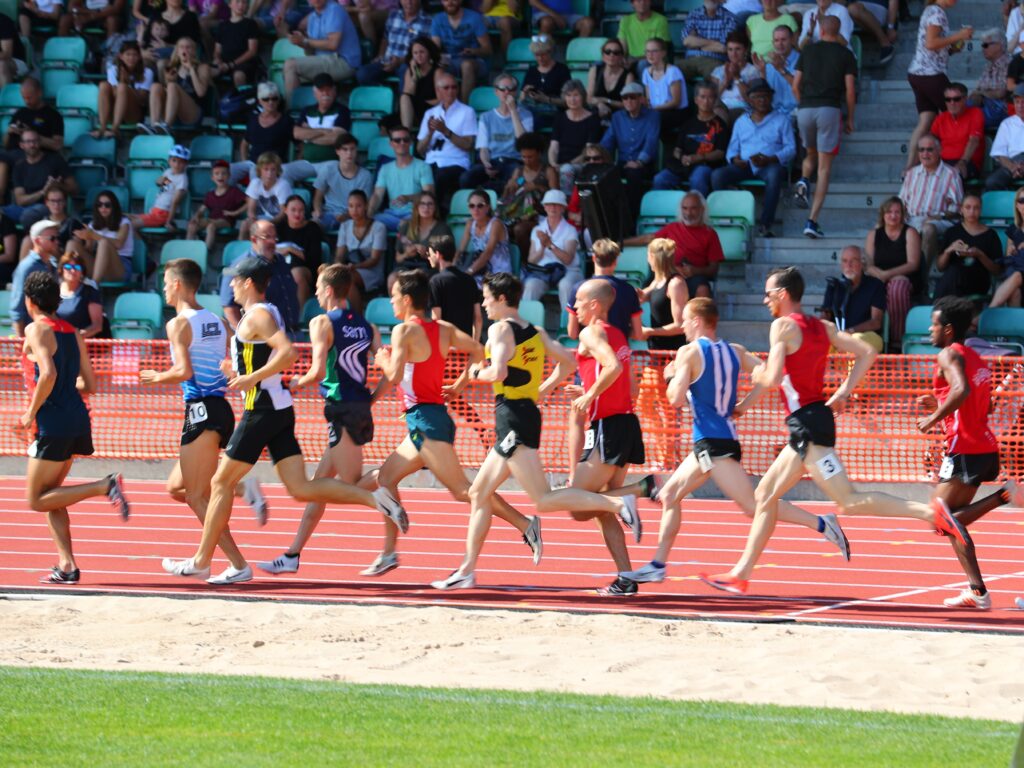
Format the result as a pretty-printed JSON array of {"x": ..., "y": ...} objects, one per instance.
[
  {"x": 509, "y": 442},
  {"x": 704, "y": 459},
  {"x": 946, "y": 470},
  {"x": 829, "y": 466},
  {"x": 33, "y": 449},
  {"x": 589, "y": 438},
  {"x": 197, "y": 413}
]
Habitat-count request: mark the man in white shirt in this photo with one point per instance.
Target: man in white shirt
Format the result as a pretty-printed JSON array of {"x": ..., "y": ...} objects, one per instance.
[
  {"x": 446, "y": 137},
  {"x": 932, "y": 192},
  {"x": 1008, "y": 147},
  {"x": 553, "y": 245},
  {"x": 811, "y": 32}
]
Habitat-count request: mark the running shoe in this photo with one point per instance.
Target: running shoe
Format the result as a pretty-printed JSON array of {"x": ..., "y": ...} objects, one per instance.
[
  {"x": 630, "y": 517},
  {"x": 834, "y": 533},
  {"x": 812, "y": 230},
  {"x": 532, "y": 538},
  {"x": 647, "y": 573},
  {"x": 115, "y": 492},
  {"x": 253, "y": 495},
  {"x": 57, "y": 576},
  {"x": 885, "y": 54},
  {"x": 726, "y": 582},
  {"x": 1019, "y": 602},
  {"x": 144, "y": 127},
  {"x": 967, "y": 599},
  {"x": 381, "y": 565},
  {"x": 1016, "y": 493},
  {"x": 945, "y": 523},
  {"x": 456, "y": 581},
  {"x": 232, "y": 575},
  {"x": 651, "y": 485},
  {"x": 621, "y": 587},
  {"x": 801, "y": 194},
  {"x": 186, "y": 568},
  {"x": 391, "y": 508},
  {"x": 162, "y": 128},
  {"x": 284, "y": 564}
]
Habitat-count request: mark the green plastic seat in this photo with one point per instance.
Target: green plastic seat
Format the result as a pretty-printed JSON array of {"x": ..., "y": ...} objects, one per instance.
[
  {"x": 997, "y": 207},
  {"x": 137, "y": 315},
  {"x": 632, "y": 265},
  {"x": 532, "y": 311},
  {"x": 371, "y": 102},
  {"x": 658, "y": 208}
]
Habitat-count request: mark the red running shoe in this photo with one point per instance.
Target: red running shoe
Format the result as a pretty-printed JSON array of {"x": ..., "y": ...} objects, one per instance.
[
  {"x": 726, "y": 582},
  {"x": 946, "y": 523}
]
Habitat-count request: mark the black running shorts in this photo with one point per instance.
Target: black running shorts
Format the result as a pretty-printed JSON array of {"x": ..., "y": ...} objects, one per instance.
[
  {"x": 270, "y": 429},
  {"x": 213, "y": 413},
  {"x": 355, "y": 418},
  {"x": 60, "y": 447},
  {"x": 718, "y": 448},
  {"x": 618, "y": 440},
  {"x": 516, "y": 422},
  {"x": 969, "y": 468},
  {"x": 814, "y": 423}
]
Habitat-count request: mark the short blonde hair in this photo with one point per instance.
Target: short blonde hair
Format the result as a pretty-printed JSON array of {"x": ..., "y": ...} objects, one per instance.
[{"x": 268, "y": 158}]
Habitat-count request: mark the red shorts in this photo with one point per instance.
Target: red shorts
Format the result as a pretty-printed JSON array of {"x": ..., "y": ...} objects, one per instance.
[{"x": 157, "y": 217}]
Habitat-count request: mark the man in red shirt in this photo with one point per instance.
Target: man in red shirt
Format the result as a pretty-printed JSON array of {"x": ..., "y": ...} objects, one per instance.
[
  {"x": 698, "y": 250},
  {"x": 961, "y": 129}
]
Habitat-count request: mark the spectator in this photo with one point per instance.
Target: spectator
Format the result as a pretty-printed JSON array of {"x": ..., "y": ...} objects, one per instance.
[
  {"x": 552, "y": 261},
  {"x": 403, "y": 25},
  {"x": 625, "y": 312},
  {"x": 281, "y": 291},
  {"x": 80, "y": 301},
  {"x": 633, "y": 133},
  {"x": 704, "y": 37},
  {"x": 778, "y": 68},
  {"x": 543, "y": 82},
  {"x": 932, "y": 192},
  {"x": 268, "y": 130},
  {"x": 1009, "y": 291},
  {"x": 826, "y": 72},
  {"x": 180, "y": 21},
  {"x": 178, "y": 99},
  {"x": 36, "y": 115},
  {"x": 108, "y": 242},
  {"x": 995, "y": 80},
  {"x": 664, "y": 87},
  {"x": 221, "y": 206},
  {"x": 33, "y": 176},
  {"x": 40, "y": 12},
  {"x": 1015, "y": 30},
  {"x": 416, "y": 232},
  {"x": 595, "y": 157},
  {"x": 211, "y": 14},
  {"x": 331, "y": 43},
  {"x": 266, "y": 194},
  {"x": 529, "y": 182},
  {"x": 56, "y": 202},
  {"x": 446, "y": 137},
  {"x": 732, "y": 78},
  {"x": 971, "y": 254},
  {"x": 322, "y": 124},
  {"x": 9, "y": 254},
  {"x": 335, "y": 181},
  {"x": 927, "y": 71},
  {"x": 461, "y": 35},
  {"x": 106, "y": 14},
  {"x": 700, "y": 146},
  {"x": 504, "y": 16},
  {"x": 574, "y": 128},
  {"x": 277, "y": 16},
  {"x": 667, "y": 294},
  {"x": 13, "y": 60},
  {"x": 42, "y": 258},
  {"x": 856, "y": 301},
  {"x": 810, "y": 29},
  {"x": 698, "y": 249},
  {"x": 362, "y": 242},
  {"x": 893, "y": 251},
  {"x": 761, "y": 27},
  {"x": 300, "y": 241},
  {"x": 606, "y": 80},
  {"x": 400, "y": 181},
  {"x": 878, "y": 19},
  {"x": 370, "y": 15},
  {"x": 156, "y": 48},
  {"x": 454, "y": 295},
  {"x": 557, "y": 16},
  {"x": 124, "y": 95},
  {"x": 636, "y": 28},
  {"x": 961, "y": 131},
  {"x": 1008, "y": 147},
  {"x": 761, "y": 147},
  {"x": 236, "y": 46},
  {"x": 418, "y": 92},
  {"x": 497, "y": 132},
  {"x": 484, "y": 246}
]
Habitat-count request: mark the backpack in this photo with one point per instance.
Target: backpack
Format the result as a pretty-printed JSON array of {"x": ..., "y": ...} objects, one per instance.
[{"x": 237, "y": 105}]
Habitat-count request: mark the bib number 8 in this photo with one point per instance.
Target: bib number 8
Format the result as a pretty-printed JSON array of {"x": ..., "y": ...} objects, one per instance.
[{"x": 197, "y": 413}]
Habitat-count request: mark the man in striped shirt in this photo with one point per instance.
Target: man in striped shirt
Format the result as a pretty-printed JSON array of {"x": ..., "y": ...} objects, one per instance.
[{"x": 932, "y": 192}]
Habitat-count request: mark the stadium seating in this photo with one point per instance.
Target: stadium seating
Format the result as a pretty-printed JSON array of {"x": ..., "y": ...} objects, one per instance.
[
  {"x": 92, "y": 161},
  {"x": 582, "y": 53},
  {"x": 205, "y": 151},
  {"x": 283, "y": 50},
  {"x": 1004, "y": 327},
  {"x": 138, "y": 277},
  {"x": 233, "y": 251},
  {"x": 62, "y": 62},
  {"x": 532, "y": 311},
  {"x": 6, "y": 324},
  {"x": 632, "y": 265},
  {"x": 916, "y": 332},
  {"x": 731, "y": 213},
  {"x": 483, "y": 98},
  {"x": 121, "y": 193},
  {"x": 658, "y": 208},
  {"x": 459, "y": 211},
  {"x": 997, "y": 208},
  {"x": 77, "y": 104},
  {"x": 380, "y": 313},
  {"x": 210, "y": 301},
  {"x": 379, "y": 146},
  {"x": 137, "y": 315},
  {"x": 518, "y": 56},
  {"x": 147, "y": 161},
  {"x": 181, "y": 215}
]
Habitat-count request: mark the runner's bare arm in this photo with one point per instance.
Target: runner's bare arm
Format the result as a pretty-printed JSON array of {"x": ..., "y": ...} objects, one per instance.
[
  {"x": 864, "y": 357},
  {"x": 952, "y": 364},
  {"x": 321, "y": 337},
  {"x": 682, "y": 376},
  {"x": 179, "y": 334},
  {"x": 595, "y": 341},
  {"x": 42, "y": 343},
  {"x": 391, "y": 361},
  {"x": 783, "y": 332},
  {"x": 463, "y": 342},
  {"x": 383, "y": 384},
  {"x": 86, "y": 376},
  {"x": 748, "y": 363},
  {"x": 503, "y": 346},
  {"x": 565, "y": 364}
]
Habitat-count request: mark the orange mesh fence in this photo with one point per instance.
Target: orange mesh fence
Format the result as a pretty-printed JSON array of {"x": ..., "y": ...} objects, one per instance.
[{"x": 878, "y": 438}]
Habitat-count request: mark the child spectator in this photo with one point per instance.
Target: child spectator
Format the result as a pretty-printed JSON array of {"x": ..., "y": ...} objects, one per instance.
[
  {"x": 454, "y": 295},
  {"x": 221, "y": 207},
  {"x": 173, "y": 186},
  {"x": 267, "y": 193}
]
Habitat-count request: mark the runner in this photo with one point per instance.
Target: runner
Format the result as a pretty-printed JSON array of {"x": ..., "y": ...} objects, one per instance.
[
  {"x": 706, "y": 373},
  {"x": 416, "y": 361},
  {"x": 198, "y": 343},
  {"x": 961, "y": 404},
  {"x": 62, "y": 422},
  {"x": 261, "y": 351},
  {"x": 797, "y": 359},
  {"x": 516, "y": 353},
  {"x": 342, "y": 341}
]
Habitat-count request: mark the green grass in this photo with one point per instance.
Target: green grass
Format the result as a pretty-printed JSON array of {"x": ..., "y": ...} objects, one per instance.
[{"x": 90, "y": 718}]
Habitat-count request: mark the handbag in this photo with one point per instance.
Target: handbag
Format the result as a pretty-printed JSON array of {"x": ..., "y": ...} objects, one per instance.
[{"x": 551, "y": 274}]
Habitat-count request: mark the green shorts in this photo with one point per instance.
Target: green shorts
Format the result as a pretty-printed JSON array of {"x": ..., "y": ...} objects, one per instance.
[{"x": 429, "y": 421}]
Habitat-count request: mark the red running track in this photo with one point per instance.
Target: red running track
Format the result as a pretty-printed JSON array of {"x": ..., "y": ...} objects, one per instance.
[{"x": 899, "y": 574}]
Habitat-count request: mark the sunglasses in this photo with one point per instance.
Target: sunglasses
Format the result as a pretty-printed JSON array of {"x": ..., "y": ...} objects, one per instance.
[
  {"x": 51, "y": 238},
  {"x": 104, "y": 204},
  {"x": 540, "y": 39},
  {"x": 593, "y": 159},
  {"x": 401, "y": 140},
  {"x": 926, "y": 149},
  {"x": 505, "y": 88},
  {"x": 612, "y": 51},
  {"x": 447, "y": 87},
  {"x": 73, "y": 267},
  {"x": 986, "y": 45},
  {"x": 953, "y": 99},
  {"x": 477, "y": 205},
  {"x": 269, "y": 98},
  {"x": 428, "y": 203}
]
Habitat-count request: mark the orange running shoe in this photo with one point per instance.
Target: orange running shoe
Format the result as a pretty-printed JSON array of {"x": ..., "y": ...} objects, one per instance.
[
  {"x": 726, "y": 582},
  {"x": 946, "y": 523}
]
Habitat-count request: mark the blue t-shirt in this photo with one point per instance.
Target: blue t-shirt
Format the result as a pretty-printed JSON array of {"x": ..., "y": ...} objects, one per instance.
[
  {"x": 31, "y": 263},
  {"x": 75, "y": 309},
  {"x": 335, "y": 19},
  {"x": 620, "y": 313},
  {"x": 455, "y": 40}
]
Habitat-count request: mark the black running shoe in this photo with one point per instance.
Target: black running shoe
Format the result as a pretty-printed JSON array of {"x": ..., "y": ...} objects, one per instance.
[
  {"x": 621, "y": 587},
  {"x": 116, "y": 495},
  {"x": 57, "y": 576}
]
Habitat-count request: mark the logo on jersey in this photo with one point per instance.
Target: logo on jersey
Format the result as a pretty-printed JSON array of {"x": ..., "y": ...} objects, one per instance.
[{"x": 210, "y": 329}]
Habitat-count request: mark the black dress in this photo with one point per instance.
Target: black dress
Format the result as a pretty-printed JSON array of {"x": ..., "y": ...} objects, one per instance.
[
  {"x": 890, "y": 254},
  {"x": 661, "y": 315},
  {"x": 967, "y": 277}
]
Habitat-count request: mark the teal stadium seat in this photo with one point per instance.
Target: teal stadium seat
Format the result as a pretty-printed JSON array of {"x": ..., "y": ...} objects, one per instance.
[
  {"x": 916, "y": 332},
  {"x": 658, "y": 208},
  {"x": 459, "y": 211},
  {"x": 582, "y": 53},
  {"x": 997, "y": 208},
  {"x": 632, "y": 265},
  {"x": 77, "y": 104},
  {"x": 483, "y": 99},
  {"x": 137, "y": 315},
  {"x": 62, "y": 62},
  {"x": 1003, "y": 326},
  {"x": 147, "y": 161},
  {"x": 380, "y": 313},
  {"x": 532, "y": 311},
  {"x": 92, "y": 161},
  {"x": 205, "y": 151}
]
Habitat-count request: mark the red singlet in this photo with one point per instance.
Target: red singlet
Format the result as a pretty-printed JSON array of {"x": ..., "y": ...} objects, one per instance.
[
  {"x": 804, "y": 382},
  {"x": 421, "y": 382},
  {"x": 966, "y": 429},
  {"x": 618, "y": 398}
]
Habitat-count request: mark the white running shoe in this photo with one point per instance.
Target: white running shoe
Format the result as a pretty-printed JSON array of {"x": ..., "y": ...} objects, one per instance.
[
  {"x": 630, "y": 517},
  {"x": 391, "y": 508},
  {"x": 1016, "y": 493},
  {"x": 284, "y": 564},
  {"x": 253, "y": 495},
  {"x": 834, "y": 533},
  {"x": 967, "y": 599},
  {"x": 646, "y": 573},
  {"x": 232, "y": 575},
  {"x": 185, "y": 568},
  {"x": 532, "y": 537},
  {"x": 456, "y": 581},
  {"x": 381, "y": 565}
]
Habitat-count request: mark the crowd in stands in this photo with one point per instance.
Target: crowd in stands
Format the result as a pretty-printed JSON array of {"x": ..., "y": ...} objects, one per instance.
[{"x": 491, "y": 125}]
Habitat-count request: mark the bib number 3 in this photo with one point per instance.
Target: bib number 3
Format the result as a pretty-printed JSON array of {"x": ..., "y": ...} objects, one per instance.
[
  {"x": 197, "y": 413},
  {"x": 829, "y": 466}
]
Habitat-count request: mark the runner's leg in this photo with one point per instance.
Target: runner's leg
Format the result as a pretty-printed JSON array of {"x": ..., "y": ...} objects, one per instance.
[
  {"x": 43, "y": 475},
  {"x": 957, "y": 494},
  {"x": 195, "y": 470},
  {"x": 482, "y": 498},
  {"x": 218, "y": 512},
  {"x": 403, "y": 462},
  {"x": 593, "y": 476}
]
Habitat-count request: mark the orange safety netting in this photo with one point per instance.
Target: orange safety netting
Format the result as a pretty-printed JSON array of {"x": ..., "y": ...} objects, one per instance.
[{"x": 878, "y": 439}]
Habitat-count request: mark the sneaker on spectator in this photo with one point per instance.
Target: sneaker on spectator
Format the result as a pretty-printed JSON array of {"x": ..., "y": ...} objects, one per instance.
[
  {"x": 763, "y": 230},
  {"x": 801, "y": 190},
  {"x": 812, "y": 230}
]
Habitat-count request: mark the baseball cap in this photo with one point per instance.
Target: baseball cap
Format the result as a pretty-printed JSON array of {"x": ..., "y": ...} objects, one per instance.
[
  {"x": 324, "y": 80},
  {"x": 760, "y": 85},
  {"x": 222, "y": 164},
  {"x": 179, "y": 151},
  {"x": 41, "y": 226},
  {"x": 250, "y": 267},
  {"x": 632, "y": 89}
]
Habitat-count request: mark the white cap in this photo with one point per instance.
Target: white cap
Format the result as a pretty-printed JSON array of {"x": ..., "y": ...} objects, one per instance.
[
  {"x": 555, "y": 197},
  {"x": 41, "y": 226}
]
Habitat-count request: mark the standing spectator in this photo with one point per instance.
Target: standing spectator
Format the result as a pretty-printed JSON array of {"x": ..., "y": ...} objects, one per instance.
[
  {"x": 504, "y": 16},
  {"x": 961, "y": 131},
  {"x": 38, "y": 12},
  {"x": 322, "y": 124},
  {"x": 543, "y": 82},
  {"x": 995, "y": 80},
  {"x": 778, "y": 68},
  {"x": 634, "y": 134},
  {"x": 446, "y": 137},
  {"x": 1008, "y": 147},
  {"x": 664, "y": 86},
  {"x": 236, "y": 46},
  {"x": 42, "y": 258},
  {"x": 732, "y": 78},
  {"x": 761, "y": 27},
  {"x": 825, "y": 72},
  {"x": 124, "y": 95},
  {"x": 704, "y": 37},
  {"x": 552, "y": 261},
  {"x": 33, "y": 176},
  {"x": 179, "y": 98},
  {"x": 331, "y": 43},
  {"x": 266, "y": 194},
  {"x": 416, "y": 232},
  {"x": 80, "y": 302},
  {"x": 529, "y": 182},
  {"x": 856, "y": 301},
  {"x": 667, "y": 293},
  {"x": 932, "y": 192},
  {"x": 418, "y": 92},
  {"x": 106, "y": 14},
  {"x": 484, "y": 247},
  {"x": 761, "y": 147},
  {"x": 221, "y": 206},
  {"x": 400, "y": 181},
  {"x": 927, "y": 72},
  {"x": 336, "y": 181},
  {"x": 700, "y": 146},
  {"x": 496, "y": 135},
  {"x": 108, "y": 242},
  {"x": 402, "y": 27},
  {"x": 1009, "y": 291},
  {"x": 893, "y": 251},
  {"x": 810, "y": 29},
  {"x": 574, "y": 128},
  {"x": 606, "y": 80},
  {"x": 461, "y": 35},
  {"x": 362, "y": 242},
  {"x": 454, "y": 295},
  {"x": 971, "y": 254},
  {"x": 557, "y": 15},
  {"x": 300, "y": 241},
  {"x": 13, "y": 61},
  {"x": 636, "y": 28}
]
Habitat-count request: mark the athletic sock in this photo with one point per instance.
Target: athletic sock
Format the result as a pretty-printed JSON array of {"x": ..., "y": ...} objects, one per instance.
[
  {"x": 821, "y": 524},
  {"x": 656, "y": 564},
  {"x": 289, "y": 554}
]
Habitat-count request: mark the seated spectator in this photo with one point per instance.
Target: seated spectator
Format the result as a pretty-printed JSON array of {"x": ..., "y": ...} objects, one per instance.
[
  {"x": 574, "y": 128},
  {"x": 173, "y": 185},
  {"x": 362, "y": 243},
  {"x": 542, "y": 84},
  {"x": 418, "y": 91},
  {"x": 236, "y": 46},
  {"x": 221, "y": 207},
  {"x": 932, "y": 192},
  {"x": 810, "y": 30},
  {"x": 180, "y": 22},
  {"x": 761, "y": 27},
  {"x": 856, "y": 301},
  {"x": 893, "y": 253},
  {"x": 178, "y": 100},
  {"x": 664, "y": 87},
  {"x": 698, "y": 249},
  {"x": 108, "y": 242},
  {"x": 497, "y": 133},
  {"x": 42, "y": 258},
  {"x": 995, "y": 82},
  {"x": 1015, "y": 31},
  {"x": 80, "y": 303},
  {"x": 36, "y": 115},
  {"x": 370, "y": 16},
  {"x": 461, "y": 35},
  {"x": 484, "y": 248},
  {"x": 269, "y": 130},
  {"x": 704, "y": 37},
  {"x": 106, "y": 14},
  {"x": 335, "y": 181},
  {"x": 277, "y": 16},
  {"x": 56, "y": 201},
  {"x": 700, "y": 146},
  {"x": 521, "y": 199},
  {"x": 322, "y": 124},
  {"x": 636, "y": 28},
  {"x": 1009, "y": 291},
  {"x": 415, "y": 233},
  {"x": 961, "y": 131},
  {"x": 971, "y": 254},
  {"x": 403, "y": 25},
  {"x": 877, "y": 18},
  {"x": 124, "y": 95},
  {"x": 266, "y": 194},
  {"x": 39, "y": 12},
  {"x": 454, "y": 295},
  {"x": 13, "y": 59},
  {"x": 606, "y": 80},
  {"x": 281, "y": 291},
  {"x": 633, "y": 133},
  {"x": 761, "y": 147},
  {"x": 1008, "y": 147},
  {"x": 211, "y": 14},
  {"x": 595, "y": 157},
  {"x": 503, "y": 15},
  {"x": 154, "y": 44},
  {"x": 33, "y": 176},
  {"x": 667, "y": 294},
  {"x": 331, "y": 43},
  {"x": 552, "y": 262},
  {"x": 778, "y": 68},
  {"x": 9, "y": 256},
  {"x": 734, "y": 76},
  {"x": 446, "y": 137},
  {"x": 400, "y": 181},
  {"x": 557, "y": 15},
  {"x": 300, "y": 241}
]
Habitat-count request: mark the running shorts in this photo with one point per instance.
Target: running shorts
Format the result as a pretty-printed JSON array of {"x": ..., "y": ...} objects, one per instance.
[
  {"x": 212, "y": 413},
  {"x": 60, "y": 447},
  {"x": 717, "y": 448},
  {"x": 814, "y": 423},
  {"x": 618, "y": 440},
  {"x": 516, "y": 422},
  {"x": 270, "y": 429},
  {"x": 429, "y": 421},
  {"x": 355, "y": 418},
  {"x": 969, "y": 468}
]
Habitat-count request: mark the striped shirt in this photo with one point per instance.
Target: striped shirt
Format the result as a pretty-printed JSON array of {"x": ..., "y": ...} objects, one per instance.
[
  {"x": 699, "y": 24},
  {"x": 932, "y": 194},
  {"x": 205, "y": 352},
  {"x": 712, "y": 395},
  {"x": 400, "y": 33}
]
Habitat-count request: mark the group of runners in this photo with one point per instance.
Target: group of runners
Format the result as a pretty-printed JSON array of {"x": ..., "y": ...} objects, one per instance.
[{"x": 208, "y": 361}]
